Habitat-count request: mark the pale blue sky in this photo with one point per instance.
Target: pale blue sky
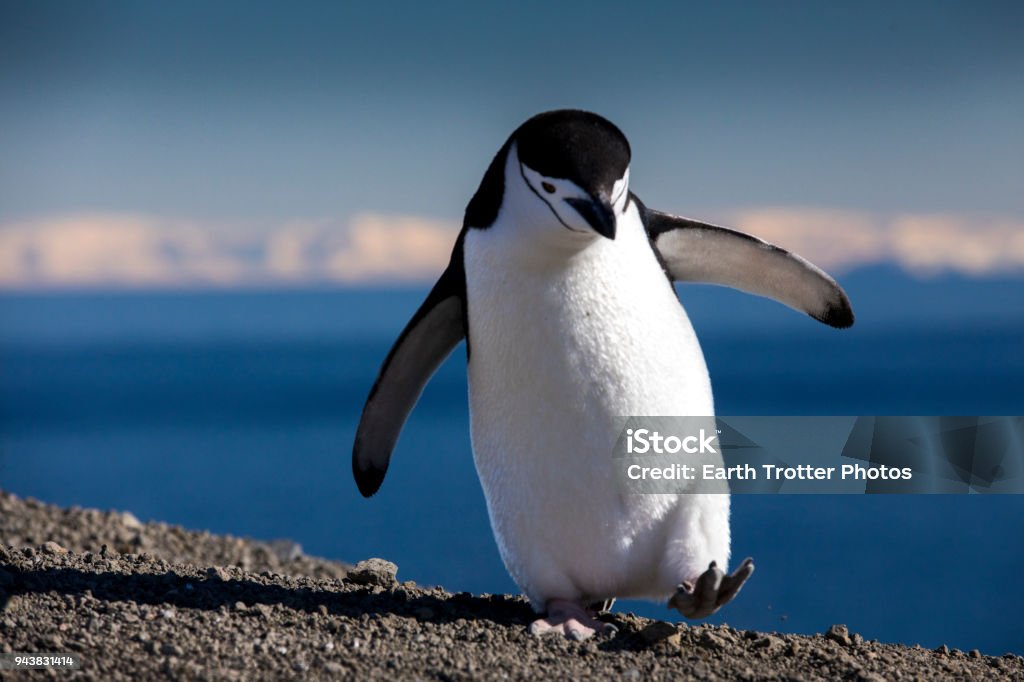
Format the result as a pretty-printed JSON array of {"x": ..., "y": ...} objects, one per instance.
[{"x": 262, "y": 111}]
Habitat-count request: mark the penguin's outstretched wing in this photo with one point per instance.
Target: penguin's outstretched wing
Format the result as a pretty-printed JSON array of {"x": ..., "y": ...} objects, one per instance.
[
  {"x": 429, "y": 337},
  {"x": 693, "y": 251}
]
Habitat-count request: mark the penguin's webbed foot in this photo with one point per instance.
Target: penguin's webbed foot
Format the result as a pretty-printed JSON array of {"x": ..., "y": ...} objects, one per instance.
[
  {"x": 711, "y": 591},
  {"x": 570, "y": 619}
]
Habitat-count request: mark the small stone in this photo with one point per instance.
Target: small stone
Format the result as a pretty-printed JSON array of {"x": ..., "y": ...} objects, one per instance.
[
  {"x": 713, "y": 642},
  {"x": 218, "y": 573},
  {"x": 839, "y": 634},
  {"x": 865, "y": 676},
  {"x": 286, "y": 550},
  {"x": 659, "y": 631},
  {"x": 52, "y": 547},
  {"x": 794, "y": 648},
  {"x": 942, "y": 649},
  {"x": 240, "y": 606},
  {"x": 129, "y": 520},
  {"x": 168, "y": 649},
  {"x": 167, "y": 614},
  {"x": 974, "y": 653},
  {"x": 374, "y": 572},
  {"x": 767, "y": 642},
  {"x": 334, "y": 668}
]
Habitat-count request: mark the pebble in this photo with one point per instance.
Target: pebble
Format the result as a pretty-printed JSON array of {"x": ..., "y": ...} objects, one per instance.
[
  {"x": 169, "y": 649},
  {"x": 52, "y": 547},
  {"x": 713, "y": 642},
  {"x": 660, "y": 631},
  {"x": 767, "y": 642},
  {"x": 839, "y": 634},
  {"x": 374, "y": 572},
  {"x": 865, "y": 676},
  {"x": 218, "y": 573}
]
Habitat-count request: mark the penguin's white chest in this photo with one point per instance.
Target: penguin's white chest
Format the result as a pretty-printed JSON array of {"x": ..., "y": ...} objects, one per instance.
[{"x": 562, "y": 347}]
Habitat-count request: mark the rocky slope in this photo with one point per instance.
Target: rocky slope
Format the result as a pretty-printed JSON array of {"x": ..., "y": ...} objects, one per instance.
[{"x": 159, "y": 601}]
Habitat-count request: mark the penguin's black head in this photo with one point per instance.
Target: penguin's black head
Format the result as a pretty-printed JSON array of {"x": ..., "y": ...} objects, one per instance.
[
  {"x": 577, "y": 163},
  {"x": 566, "y": 169}
]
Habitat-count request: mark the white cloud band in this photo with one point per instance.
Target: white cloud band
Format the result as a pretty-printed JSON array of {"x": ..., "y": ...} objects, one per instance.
[{"x": 139, "y": 250}]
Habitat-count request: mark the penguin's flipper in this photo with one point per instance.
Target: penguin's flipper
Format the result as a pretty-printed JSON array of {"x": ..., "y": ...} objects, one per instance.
[
  {"x": 429, "y": 337},
  {"x": 699, "y": 252}
]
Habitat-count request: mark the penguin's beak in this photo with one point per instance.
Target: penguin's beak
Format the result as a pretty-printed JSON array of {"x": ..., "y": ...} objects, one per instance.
[{"x": 597, "y": 212}]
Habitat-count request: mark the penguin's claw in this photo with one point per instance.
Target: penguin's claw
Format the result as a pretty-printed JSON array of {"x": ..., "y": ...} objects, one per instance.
[
  {"x": 569, "y": 619},
  {"x": 711, "y": 591}
]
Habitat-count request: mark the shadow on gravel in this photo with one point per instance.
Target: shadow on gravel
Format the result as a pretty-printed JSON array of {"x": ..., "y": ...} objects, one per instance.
[{"x": 213, "y": 593}]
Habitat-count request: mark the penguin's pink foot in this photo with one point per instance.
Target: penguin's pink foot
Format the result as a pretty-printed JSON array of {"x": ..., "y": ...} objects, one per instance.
[
  {"x": 711, "y": 591},
  {"x": 570, "y": 619}
]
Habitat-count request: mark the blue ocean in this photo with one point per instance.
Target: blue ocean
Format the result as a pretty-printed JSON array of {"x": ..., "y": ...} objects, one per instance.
[{"x": 235, "y": 412}]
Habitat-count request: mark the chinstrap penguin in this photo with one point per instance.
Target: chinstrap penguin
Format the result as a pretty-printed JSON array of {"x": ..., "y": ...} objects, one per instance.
[{"x": 561, "y": 282}]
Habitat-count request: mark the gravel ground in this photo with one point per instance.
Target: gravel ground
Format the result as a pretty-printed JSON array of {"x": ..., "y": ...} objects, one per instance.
[{"x": 163, "y": 602}]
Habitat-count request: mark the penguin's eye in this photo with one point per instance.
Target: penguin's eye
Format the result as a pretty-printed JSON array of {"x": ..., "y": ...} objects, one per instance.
[{"x": 548, "y": 187}]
